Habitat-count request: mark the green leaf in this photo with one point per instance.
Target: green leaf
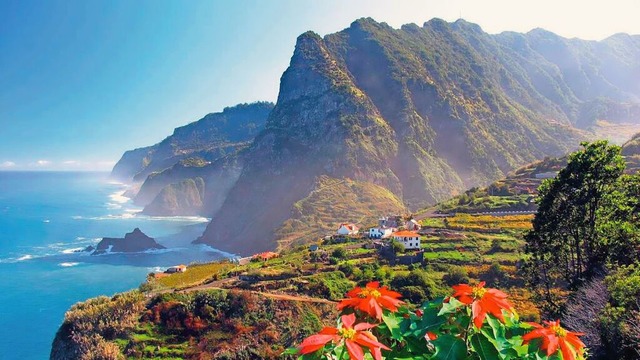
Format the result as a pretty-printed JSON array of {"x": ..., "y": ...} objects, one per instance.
[
  {"x": 291, "y": 351},
  {"x": 484, "y": 348},
  {"x": 450, "y": 307},
  {"x": 430, "y": 321},
  {"x": 393, "y": 323},
  {"x": 449, "y": 347}
]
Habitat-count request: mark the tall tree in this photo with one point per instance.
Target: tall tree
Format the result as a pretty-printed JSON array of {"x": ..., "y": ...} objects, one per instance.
[
  {"x": 620, "y": 222},
  {"x": 565, "y": 246}
]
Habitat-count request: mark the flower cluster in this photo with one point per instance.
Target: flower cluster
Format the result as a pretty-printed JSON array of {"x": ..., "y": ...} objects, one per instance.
[
  {"x": 483, "y": 301},
  {"x": 474, "y": 322}
]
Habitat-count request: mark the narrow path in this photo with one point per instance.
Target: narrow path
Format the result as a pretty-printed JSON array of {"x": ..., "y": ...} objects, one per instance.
[{"x": 216, "y": 285}]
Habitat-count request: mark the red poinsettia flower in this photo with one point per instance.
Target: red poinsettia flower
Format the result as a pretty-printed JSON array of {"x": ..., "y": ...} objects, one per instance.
[
  {"x": 554, "y": 337},
  {"x": 372, "y": 299},
  {"x": 482, "y": 301},
  {"x": 354, "y": 337}
]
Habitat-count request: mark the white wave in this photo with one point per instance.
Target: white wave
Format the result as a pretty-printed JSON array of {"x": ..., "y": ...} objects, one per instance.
[
  {"x": 80, "y": 238},
  {"x": 69, "y": 264},
  {"x": 112, "y": 206},
  {"x": 119, "y": 197},
  {"x": 133, "y": 211},
  {"x": 106, "y": 217},
  {"x": 195, "y": 219},
  {"x": 73, "y": 250},
  {"x": 206, "y": 247},
  {"x": 46, "y": 221},
  {"x": 135, "y": 214},
  {"x": 115, "y": 182},
  {"x": 21, "y": 258}
]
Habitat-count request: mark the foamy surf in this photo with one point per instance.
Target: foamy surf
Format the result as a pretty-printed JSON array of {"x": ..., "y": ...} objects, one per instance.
[
  {"x": 195, "y": 219},
  {"x": 68, "y": 264},
  {"x": 119, "y": 197},
  {"x": 72, "y": 251},
  {"x": 112, "y": 206},
  {"x": 135, "y": 214}
]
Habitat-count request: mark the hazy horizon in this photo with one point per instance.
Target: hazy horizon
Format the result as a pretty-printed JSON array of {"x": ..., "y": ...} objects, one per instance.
[{"x": 86, "y": 81}]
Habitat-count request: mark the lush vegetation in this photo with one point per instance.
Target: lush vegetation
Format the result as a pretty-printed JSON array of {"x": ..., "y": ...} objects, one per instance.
[
  {"x": 473, "y": 323},
  {"x": 296, "y": 285},
  {"x": 586, "y": 229},
  {"x": 315, "y": 215},
  {"x": 576, "y": 260},
  {"x": 197, "y": 274}
]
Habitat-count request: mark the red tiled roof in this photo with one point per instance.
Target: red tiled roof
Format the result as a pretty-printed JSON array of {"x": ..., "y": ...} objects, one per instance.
[
  {"x": 348, "y": 226},
  {"x": 405, "y": 234},
  {"x": 266, "y": 255}
]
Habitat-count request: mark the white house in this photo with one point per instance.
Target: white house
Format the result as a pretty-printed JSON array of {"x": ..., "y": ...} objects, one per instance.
[
  {"x": 380, "y": 232},
  {"x": 176, "y": 269},
  {"x": 347, "y": 229},
  {"x": 412, "y": 225},
  {"x": 410, "y": 239}
]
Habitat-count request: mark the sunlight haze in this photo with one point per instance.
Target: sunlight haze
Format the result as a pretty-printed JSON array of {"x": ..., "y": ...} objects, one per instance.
[{"x": 85, "y": 81}]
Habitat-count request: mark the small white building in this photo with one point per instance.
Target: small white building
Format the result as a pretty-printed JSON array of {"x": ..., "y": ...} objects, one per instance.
[
  {"x": 380, "y": 232},
  {"x": 412, "y": 225},
  {"x": 176, "y": 269},
  {"x": 410, "y": 239},
  {"x": 348, "y": 229}
]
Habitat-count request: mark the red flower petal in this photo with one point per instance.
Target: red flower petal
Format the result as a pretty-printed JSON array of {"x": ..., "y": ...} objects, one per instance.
[
  {"x": 354, "y": 350},
  {"x": 348, "y": 320},
  {"x": 315, "y": 342}
]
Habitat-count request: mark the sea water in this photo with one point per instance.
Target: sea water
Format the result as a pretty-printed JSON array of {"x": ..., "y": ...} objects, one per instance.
[{"x": 45, "y": 219}]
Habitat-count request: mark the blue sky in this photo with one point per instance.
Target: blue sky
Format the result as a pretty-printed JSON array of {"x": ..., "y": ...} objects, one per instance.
[{"x": 83, "y": 81}]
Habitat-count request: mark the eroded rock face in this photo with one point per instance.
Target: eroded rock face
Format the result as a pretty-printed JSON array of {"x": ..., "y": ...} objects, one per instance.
[
  {"x": 208, "y": 139},
  {"x": 135, "y": 241},
  {"x": 183, "y": 198},
  {"x": 424, "y": 112}
]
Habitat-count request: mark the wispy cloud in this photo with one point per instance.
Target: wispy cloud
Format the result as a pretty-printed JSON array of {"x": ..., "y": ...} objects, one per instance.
[
  {"x": 71, "y": 162},
  {"x": 43, "y": 162},
  {"x": 7, "y": 164}
]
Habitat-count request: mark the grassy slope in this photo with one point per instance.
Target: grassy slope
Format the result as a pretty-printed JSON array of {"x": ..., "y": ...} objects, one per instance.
[
  {"x": 507, "y": 194},
  {"x": 193, "y": 314},
  {"x": 216, "y": 315},
  {"x": 334, "y": 201}
]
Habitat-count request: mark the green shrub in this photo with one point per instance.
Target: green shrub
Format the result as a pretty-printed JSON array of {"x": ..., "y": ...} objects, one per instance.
[
  {"x": 339, "y": 253},
  {"x": 456, "y": 275}
]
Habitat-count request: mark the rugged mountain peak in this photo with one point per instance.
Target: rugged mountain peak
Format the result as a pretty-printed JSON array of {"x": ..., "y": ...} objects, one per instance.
[
  {"x": 320, "y": 108},
  {"x": 421, "y": 112},
  {"x": 312, "y": 71},
  {"x": 469, "y": 26}
]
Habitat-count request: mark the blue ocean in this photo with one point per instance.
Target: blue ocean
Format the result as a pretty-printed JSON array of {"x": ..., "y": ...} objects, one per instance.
[{"x": 45, "y": 218}]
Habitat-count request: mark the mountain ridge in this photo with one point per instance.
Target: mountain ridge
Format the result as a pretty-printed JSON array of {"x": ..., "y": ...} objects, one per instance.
[{"x": 424, "y": 112}]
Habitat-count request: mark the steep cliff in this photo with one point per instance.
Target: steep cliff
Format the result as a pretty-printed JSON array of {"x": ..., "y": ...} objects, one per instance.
[
  {"x": 210, "y": 138},
  {"x": 183, "y": 198},
  {"x": 423, "y": 112}
]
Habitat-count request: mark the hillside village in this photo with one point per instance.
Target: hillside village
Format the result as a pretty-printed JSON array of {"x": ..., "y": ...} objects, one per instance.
[
  {"x": 407, "y": 230},
  {"x": 421, "y": 256}
]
